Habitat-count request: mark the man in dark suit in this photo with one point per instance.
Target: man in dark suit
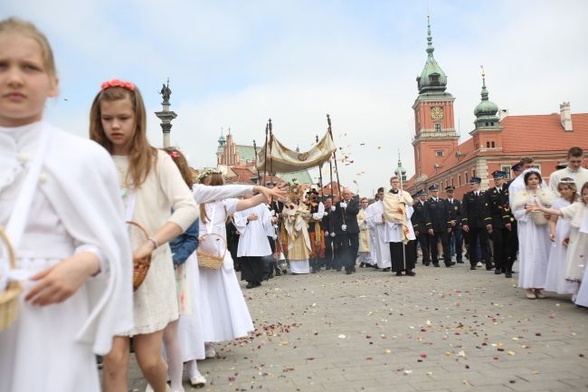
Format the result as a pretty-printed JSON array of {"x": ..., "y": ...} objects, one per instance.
[
  {"x": 476, "y": 222},
  {"x": 347, "y": 230},
  {"x": 512, "y": 246},
  {"x": 328, "y": 226},
  {"x": 439, "y": 214},
  {"x": 421, "y": 223},
  {"x": 455, "y": 237},
  {"x": 497, "y": 199}
]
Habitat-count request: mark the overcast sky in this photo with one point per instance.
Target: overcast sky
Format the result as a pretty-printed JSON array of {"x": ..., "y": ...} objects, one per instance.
[{"x": 234, "y": 64}]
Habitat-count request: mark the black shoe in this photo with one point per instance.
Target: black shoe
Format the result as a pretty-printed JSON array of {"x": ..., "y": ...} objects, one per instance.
[
  {"x": 489, "y": 267},
  {"x": 427, "y": 264},
  {"x": 459, "y": 261},
  {"x": 435, "y": 264},
  {"x": 251, "y": 285},
  {"x": 399, "y": 273},
  {"x": 497, "y": 271},
  {"x": 473, "y": 267},
  {"x": 348, "y": 272},
  {"x": 387, "y": 269},
  {"x": 410, "y": 273},
  {"x": 450, "y": 264},
  {"x": 361, "y": 265},
  {"x": 508, "y": 274}
]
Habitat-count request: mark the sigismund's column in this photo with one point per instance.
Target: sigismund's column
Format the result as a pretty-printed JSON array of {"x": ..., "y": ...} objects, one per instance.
[{"x": 166, "y": 115}]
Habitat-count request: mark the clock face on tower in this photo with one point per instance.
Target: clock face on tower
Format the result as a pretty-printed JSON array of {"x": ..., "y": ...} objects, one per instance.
[{"x": 436, "y": 113}]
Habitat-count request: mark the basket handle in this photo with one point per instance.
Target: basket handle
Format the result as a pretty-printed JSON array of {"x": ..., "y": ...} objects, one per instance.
[
  {"x": 9, "y": 248},
  {"x": 133, "y": 223}
]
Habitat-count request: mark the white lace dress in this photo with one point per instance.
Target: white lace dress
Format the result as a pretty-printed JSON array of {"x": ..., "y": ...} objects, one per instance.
[
  {"x": 555, "y": 279},
  {"x": 224, "y": 313}
]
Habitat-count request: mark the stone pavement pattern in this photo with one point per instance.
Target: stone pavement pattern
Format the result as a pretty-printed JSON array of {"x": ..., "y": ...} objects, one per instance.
[{"x": 444, "y": 330}]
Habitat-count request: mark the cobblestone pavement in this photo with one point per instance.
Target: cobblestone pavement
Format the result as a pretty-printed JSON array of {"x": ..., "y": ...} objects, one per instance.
[{"x": 444, "y": 330}]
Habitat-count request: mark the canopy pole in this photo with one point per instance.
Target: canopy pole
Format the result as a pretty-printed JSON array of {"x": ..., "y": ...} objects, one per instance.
[
  {"x": 271, "y": 143},
  {"x": 335, "y": 159},
  {"x": 265, "y": 156},
  {"x": 255, "y": 152}
]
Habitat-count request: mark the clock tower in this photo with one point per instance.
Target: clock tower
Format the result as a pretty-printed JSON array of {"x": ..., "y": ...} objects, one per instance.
[{"x": 435, "y": 134}]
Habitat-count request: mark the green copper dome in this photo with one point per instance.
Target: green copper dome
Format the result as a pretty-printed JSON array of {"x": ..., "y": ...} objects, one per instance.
[
  {"x": 485, "y": 107},
  {"x": 432, "y": 79}
]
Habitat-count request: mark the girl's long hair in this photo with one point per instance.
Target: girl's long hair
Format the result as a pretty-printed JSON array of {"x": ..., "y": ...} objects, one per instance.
[
  {"x": 142, "y": 156},
  {"x": 182, "y": 165}
]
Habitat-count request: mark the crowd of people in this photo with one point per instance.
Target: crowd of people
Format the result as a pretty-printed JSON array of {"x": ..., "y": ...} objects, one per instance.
[
  {"x": 541, "y": 224},
  {"x": 81, "y": 262}
]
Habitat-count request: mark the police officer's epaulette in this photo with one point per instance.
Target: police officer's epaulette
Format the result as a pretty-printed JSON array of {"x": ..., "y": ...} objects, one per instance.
[
  {"x": 465, "y": 218},
  {"x": 428, "y": 224},
  {"x": 488, "y": 218}
]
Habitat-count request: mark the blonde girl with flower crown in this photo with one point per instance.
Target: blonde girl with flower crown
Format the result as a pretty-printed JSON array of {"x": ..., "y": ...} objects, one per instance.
[
  {"x": 157, "y": 198},
  {"x": 60, "y": 205}
]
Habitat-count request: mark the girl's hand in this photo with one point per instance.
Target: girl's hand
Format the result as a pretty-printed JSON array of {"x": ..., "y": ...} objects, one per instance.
[
  {"x": 552, "y": 237},
  {"x": 565, "y": 242},
  {"x": 144, "y": 250},
  {"x": 60, "y": 281}
]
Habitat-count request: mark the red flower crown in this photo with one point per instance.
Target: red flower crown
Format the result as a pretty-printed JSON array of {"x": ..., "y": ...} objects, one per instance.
[{"x": 117, "y": 83}]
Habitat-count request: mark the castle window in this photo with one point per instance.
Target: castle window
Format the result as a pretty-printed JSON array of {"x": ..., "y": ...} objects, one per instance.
[
  {"x": 493, "y": 144},
  {"x": 437, "y": 127},
  {"x": 459, "y": 180},
  {"x": 439, "y": 153},
  {"x": 465, "y": 175},
  {"x": 506, "y": 169}
]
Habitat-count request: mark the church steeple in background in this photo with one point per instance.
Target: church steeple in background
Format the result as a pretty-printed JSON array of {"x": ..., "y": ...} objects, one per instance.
[
  {"x": 432, "y": 79},
  {"x": 435, "y": 134},
  {"x": 486, "y": 110}
]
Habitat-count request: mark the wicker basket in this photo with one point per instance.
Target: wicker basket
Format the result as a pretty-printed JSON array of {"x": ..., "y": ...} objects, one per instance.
[
  {"x": 209, "y": 260},
  {"x": 140, "y": 266},
  {"x": 538, "y": 218},
  {"x": 9, "y": 297}
]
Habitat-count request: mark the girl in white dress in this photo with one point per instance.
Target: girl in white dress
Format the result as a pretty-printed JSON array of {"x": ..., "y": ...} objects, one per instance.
[
  {"x": 225, "y": 315},
  {"x": 533, "y": 234},
  {"x": 152, "y": 187},
  {"x": 184, "y": 341},
  {"x": 60, "y": 204},
  {"x": 559, "y": 233},
  {"x": 577, "y": 252}
]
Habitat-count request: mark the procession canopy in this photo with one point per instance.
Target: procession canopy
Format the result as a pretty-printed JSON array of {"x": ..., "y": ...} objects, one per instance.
[{"x": 281, "y": 159}]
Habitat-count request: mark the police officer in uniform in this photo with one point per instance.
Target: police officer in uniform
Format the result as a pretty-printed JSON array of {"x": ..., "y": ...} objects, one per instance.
[
  {"x": 476, "y": 222},
  {"x": 439, "y": 214},
  {"x": 455, "y": 236},
  {"x": 497, "y": 199},
  {"x": 421, "y": 223}
]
